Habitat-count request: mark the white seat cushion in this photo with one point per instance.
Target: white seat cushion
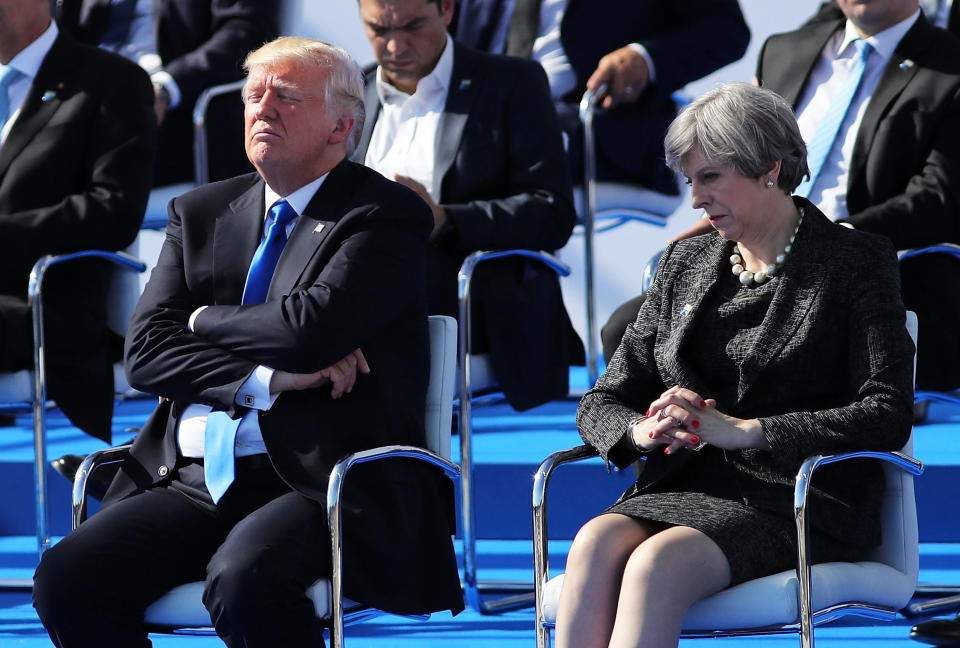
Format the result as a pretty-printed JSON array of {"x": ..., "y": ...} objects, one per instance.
[
  {"x": 183, "y": 605},
  {"x": 772, "y": 600},
  {"x": 481, "y": 373},
  {"x": 614, "y": 197}
]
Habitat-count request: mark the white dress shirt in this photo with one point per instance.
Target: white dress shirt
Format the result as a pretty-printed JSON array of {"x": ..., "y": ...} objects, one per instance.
[
  {"x": 27, "y": 62},
  {"x": 254, "y": 393},
  {"x": 829, "y": 192},
  {"x": 404, "y": 139}
]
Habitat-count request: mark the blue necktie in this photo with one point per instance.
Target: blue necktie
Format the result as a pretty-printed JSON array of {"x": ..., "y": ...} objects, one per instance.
[
  {"x": 820, "y": 145},
  {"x": 220, "y": 435},
  {"x": 7, "y": 76}
]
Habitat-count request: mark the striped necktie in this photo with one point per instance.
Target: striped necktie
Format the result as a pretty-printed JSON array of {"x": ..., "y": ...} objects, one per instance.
[
  {"x": 220, "y": 435},
  {"x": 820, "y": 145}
]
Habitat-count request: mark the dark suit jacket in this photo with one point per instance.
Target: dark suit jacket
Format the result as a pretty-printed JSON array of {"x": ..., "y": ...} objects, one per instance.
[
  {"x": 831, "y": 371},
  {"x": 904, "y": 179},
  {"x": 74, "y": 175},
  {"x": 504, "y": 185},
  {"x": 356, "y": 283},
  {"x": 202, "y": 43}
]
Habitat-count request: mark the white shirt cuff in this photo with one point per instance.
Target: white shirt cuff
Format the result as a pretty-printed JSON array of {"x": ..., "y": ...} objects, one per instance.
[
  {"x": 642, "y": 51},
  {"x": 193, "y": 318},
  {"x": 255, "y": 390},
  {"x": 163, "y": 78}
]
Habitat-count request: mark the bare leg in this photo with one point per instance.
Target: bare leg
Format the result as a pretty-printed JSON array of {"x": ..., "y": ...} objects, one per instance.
[
  {"x": 591, "y": 586},
  {"x": 663, "y": 577}
]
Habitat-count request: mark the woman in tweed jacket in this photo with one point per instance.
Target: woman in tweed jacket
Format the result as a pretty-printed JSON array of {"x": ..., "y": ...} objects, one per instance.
[{"x": 777, "y": 336}]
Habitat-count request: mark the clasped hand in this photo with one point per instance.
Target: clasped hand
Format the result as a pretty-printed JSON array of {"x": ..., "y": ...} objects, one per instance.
[
  {"x": 342, "y": 375},
  {"x": 681, "y": 418}
]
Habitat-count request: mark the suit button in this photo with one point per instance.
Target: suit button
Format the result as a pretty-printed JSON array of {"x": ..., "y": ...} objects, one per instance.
[{"x": 162, "y": 471}]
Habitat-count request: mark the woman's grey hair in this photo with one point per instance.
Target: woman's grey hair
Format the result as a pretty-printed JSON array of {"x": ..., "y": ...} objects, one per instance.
[
  {"x": 343, "y": 91},
  {"x": 744, "y": 127}
]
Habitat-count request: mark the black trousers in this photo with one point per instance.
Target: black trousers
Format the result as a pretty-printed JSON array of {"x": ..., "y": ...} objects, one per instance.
[{"x": 258, "y": 550}]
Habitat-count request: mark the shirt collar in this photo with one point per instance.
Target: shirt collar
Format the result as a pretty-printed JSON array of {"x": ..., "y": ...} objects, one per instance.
[
  {"x": 298, "y": 199},
  {"x": 438, "y": 81},
  {"x": 28, "y": 60},
  {"x": 884, "y": 43}
]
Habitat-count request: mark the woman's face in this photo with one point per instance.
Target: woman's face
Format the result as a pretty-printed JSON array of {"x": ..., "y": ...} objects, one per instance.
[{"x": 733, "y": 203}]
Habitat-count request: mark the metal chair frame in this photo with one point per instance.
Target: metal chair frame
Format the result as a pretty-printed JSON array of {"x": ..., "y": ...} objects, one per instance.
[
  {"x": 591, "y": 217},
  {"x": 38, "y": 403},
  {"x": 808, "y": 617},
  {"x": 465, "y": 402}
]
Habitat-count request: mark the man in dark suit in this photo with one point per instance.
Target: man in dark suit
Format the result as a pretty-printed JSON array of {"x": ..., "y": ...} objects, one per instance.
[
  {"x": 643, "y": 50},
  {"x": 240, "y": 331},
  {"x": 186, "y": 46},
  {"x": 894, "y": 168},
  {"x": 74, "y": 175},
  {"x": 487, "y": 156}
]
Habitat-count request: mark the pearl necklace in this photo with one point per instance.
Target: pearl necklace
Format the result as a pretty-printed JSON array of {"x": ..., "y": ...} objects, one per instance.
[{"x": 746, "y": 277}]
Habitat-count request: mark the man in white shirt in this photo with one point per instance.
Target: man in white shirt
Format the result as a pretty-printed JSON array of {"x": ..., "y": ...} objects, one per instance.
[
  {"x": 894, "y": 165},
  {"x": 77, "y": 132},
  {"x": 476, "y": 136}
]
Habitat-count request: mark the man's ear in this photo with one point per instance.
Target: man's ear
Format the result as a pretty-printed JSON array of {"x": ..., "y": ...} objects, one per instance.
[{"x": 341, "y": 132}]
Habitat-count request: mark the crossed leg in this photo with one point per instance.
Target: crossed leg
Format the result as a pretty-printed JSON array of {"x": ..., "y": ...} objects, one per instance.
[{"x": 629, "y": 585}]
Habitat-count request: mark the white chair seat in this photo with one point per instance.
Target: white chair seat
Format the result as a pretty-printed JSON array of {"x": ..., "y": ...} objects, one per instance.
[
  {"x": 772, "y": 600},
  {"x": 156, "y": 213},
  {"x": 182, "y": 606}
]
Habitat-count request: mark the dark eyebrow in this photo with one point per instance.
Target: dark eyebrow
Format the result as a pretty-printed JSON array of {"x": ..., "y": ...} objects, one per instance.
[{"x": 413, "y": 24}]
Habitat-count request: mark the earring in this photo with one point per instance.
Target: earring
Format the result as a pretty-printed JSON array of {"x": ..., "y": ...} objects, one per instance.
[{"x": 769, "y": 184}]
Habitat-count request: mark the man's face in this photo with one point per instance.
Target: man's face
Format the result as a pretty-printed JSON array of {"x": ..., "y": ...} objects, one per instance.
[
  {"x": 873, "y": 16},
  {"x": 407, "y": 37},
  {"x": 287, "y": 127}
]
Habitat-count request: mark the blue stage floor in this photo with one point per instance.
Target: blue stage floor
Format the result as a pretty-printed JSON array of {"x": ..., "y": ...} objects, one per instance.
[{"x": 508, "y": 447}]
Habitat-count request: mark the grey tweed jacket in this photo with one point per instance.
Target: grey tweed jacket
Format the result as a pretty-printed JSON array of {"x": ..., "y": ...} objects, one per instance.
[{"x": 831, "y": 370}]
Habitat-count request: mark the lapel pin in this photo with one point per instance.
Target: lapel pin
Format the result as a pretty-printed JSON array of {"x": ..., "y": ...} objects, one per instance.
[
  {"x": 48, "y": 95},
  {"x": 465, "y": 83},
  {"x": 318, "y": 228},
  {"x": 906, "y": 64},
  {"x": 685, "y": 310}
]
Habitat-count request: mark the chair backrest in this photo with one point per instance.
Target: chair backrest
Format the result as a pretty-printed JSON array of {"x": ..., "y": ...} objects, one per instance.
[
  {"x": 900, "y": 544},
  {"x": 440, "y": 389},
  {"x": 123, "y": 293}
]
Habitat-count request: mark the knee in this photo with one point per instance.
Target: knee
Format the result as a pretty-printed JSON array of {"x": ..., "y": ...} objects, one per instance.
[
  {"x": 595, "y": 545},
  {"x": 55, "y": 583},
  {"x": 241, "y": 584}
]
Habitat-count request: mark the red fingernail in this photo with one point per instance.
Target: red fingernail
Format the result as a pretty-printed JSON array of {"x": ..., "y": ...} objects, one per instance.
[
  {"x": 666, "y": 451},
  {"x": 651, "y": 435},
  {"x": 703, "y": 403},
  {"x": 695, "y": 423},
  {"x": 648, "y": 412},
  {"x": 694, "y": 439}
]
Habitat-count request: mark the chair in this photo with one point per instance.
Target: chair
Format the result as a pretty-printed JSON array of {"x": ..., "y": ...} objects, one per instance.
[
  {"x": 26, "y": 390},
  {"x": 615, "y": 203},
  {"x": 181, "y": 608},
  {"x": 793, "y": 600},
  {"x": 477, "y": 386}
]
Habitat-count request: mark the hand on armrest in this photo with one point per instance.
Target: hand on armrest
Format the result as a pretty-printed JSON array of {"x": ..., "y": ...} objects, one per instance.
[{"x": 342, "y": 375}]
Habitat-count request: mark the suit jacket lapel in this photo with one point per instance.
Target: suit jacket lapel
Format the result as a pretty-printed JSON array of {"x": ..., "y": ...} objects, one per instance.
[
  {"x": 789, "y": 74},
  {"x": 236, "y": 236},
  {"x": 900, "y": 69},
  {"x": 800, "y": 284},
  {"x": 314, "y": 226},
  {"x": 50, "y": 89},
  {"x": 690, "y": 289},
  {"x": 464, "y": 82}
]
